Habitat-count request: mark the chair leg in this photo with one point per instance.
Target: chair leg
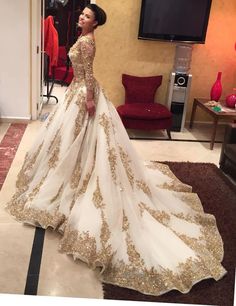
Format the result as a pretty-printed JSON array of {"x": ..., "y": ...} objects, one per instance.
[{"x": 168, "y": 133}]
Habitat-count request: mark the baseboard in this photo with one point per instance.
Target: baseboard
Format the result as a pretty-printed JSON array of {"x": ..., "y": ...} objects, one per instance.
[
  {"x": 15, "y": 119},
  {"x": 206, "y": 122}
]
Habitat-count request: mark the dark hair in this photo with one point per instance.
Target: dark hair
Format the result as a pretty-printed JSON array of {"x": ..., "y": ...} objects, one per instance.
[{"x": 99, "y": 13}]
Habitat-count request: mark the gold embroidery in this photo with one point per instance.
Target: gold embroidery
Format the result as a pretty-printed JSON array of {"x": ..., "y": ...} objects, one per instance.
[
  {"x": 112, "y": 158},
  {"x": 126, "y": 163},
  {"x": 76, "y": 175},
  {"x": 97, "y": 197},
  {"x": 80, "y": 116},
  {"x": 104, "y": 122},
  {"x": 175, "y": 184},
  {"x": 50, "y": 118},
  {"x": 87, "y": 53},
  {"x": 106, "y": 253},
  {"x": 45, "y": 219},
  {"x": 36, "y": 189},
  {"x": 81, "y": 245},
  {"x": 84, "y": 184},
  {"x": 72, "y": 202},
  {"x": 84, "y": 246},
  {"x": 125, "y": 225},
  {"x": 213, "y": 241},
  {"x": 160, "y": 216},
  {"x": 186, "y": 217},
  {"x": 113, "y": 162},
  {"x": 105, "y": 233},
  {"x": 53, "y": 142},
  {"x": 134, "y": 274},
  {"x": 104, "y": 94},
  {"x": 23, "y": 178},
  {"x": 70, "y": 95},
  {"x": 192, "y": 200},
  {"x": 144, "y": 187},
  {"x": 163, "y": 168},
  {"x": 208, "y": 240},
  {"x": 206, "y": 256},
  {"x": 55, "y": 153},
  {"x": 57, "y": 196},
  {"x": 30, "y": 161},
  {"x": 205, "y": 220},
  {"x": 133, "y": 255},
  {"x": 157, "y": 281}
]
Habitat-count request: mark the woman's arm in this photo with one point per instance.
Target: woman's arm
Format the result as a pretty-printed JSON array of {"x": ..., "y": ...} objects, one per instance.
[{"x": 88, "y": 53}]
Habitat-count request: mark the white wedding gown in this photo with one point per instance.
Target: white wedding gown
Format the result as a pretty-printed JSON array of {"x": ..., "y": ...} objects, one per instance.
[{"x": 143, "y": 227}]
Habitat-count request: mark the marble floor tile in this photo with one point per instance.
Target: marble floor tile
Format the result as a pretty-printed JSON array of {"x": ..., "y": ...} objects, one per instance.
[
  {"x": 200, "y": 132},
  {"x": 15, "y": 249},
  {"x": 60, "y": 275},
  {"x": 58, "y": 91},
  {"x": 176, "y": 151}
]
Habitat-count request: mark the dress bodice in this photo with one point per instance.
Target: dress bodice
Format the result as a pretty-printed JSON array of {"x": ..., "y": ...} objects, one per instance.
[{"x": 82, "y": 55}]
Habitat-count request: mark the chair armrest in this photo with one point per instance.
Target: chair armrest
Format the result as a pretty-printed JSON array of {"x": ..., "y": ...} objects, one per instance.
[
  {"x": 230, "y": 133},
  {"x": 229, "y": 137}
]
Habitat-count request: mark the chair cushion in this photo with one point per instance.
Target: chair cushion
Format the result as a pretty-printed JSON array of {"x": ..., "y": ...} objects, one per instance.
[
  {"x": 148, "y": 125},
  {"x": 140, "y": 89},
  {"x": 62, "y": 56},
  {"x": 60, "y": 73},
  {"x": 147, "y": 111}
]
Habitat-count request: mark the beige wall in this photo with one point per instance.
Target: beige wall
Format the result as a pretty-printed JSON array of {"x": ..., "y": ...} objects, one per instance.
[
  {"x": 119, "y": 51},
  {"x": 15, "y": 59}
]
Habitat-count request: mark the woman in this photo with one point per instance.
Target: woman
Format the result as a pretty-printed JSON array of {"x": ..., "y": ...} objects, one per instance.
[{"x": 143, "y": 227}]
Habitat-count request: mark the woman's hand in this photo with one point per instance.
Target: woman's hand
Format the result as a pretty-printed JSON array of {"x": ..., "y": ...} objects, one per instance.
[{"x": 90, "y": 105}]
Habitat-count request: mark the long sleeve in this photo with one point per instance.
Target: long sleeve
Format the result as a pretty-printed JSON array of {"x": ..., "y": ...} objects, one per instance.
[{"x": 88, "y": 53}]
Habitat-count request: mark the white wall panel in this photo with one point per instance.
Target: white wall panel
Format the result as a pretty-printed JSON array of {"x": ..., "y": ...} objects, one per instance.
[{"x": 15, "y": 59}]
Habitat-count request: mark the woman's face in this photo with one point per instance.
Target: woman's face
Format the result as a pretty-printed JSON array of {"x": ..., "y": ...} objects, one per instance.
[{"x": 87, "y": 19}]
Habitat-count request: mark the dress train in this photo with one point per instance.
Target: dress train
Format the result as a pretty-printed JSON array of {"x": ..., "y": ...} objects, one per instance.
[{"x": 140, "y": 224}]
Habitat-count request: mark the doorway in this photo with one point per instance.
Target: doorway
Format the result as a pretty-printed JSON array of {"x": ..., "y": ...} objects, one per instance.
[
  {"x": 65, "y": 15},
  {"x": 60, "y": 32}
]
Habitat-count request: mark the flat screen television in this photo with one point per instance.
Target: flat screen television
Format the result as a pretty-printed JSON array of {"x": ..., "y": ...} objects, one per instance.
[{"x": 174, "y": 20}]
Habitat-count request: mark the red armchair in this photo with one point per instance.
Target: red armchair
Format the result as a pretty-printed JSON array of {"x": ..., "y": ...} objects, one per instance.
[{"x": 140, "y": 111}]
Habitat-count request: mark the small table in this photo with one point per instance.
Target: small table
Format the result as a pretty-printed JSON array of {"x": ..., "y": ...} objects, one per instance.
[{"x": 226, "y": 113}]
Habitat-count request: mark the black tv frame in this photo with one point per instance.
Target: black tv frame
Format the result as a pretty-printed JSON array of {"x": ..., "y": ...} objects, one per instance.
[{"x": 172, "y": 37}]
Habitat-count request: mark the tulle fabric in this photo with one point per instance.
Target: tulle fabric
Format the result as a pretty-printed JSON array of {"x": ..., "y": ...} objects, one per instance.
[{"x": 134, "y": 219}]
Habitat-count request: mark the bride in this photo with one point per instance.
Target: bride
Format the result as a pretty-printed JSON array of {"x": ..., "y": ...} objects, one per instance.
[{"x": 135, "y": 220}]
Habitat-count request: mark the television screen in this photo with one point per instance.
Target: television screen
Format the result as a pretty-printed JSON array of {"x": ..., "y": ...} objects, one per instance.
[{"x": 174, "y": 20}]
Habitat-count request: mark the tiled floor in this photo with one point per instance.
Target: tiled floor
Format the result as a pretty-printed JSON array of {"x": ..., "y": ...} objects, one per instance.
[{"x": 59, "y": 274}]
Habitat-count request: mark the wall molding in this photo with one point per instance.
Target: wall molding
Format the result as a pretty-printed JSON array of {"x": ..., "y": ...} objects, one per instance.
[{"x": 15, "y": 120}]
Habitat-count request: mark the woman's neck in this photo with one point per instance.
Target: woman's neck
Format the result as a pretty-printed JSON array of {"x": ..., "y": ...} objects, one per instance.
[{"x": 87, "y": 32}]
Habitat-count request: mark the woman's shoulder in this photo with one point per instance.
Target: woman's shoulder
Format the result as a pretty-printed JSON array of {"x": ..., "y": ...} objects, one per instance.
[
  {"x": 87, "y": 45},
  {"x": 87, "y": 39}
]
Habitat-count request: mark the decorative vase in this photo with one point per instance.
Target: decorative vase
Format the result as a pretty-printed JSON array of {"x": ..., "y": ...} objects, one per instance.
[
  {"x": 216, "y": 89},
  {"x": 230, "y": 100}
]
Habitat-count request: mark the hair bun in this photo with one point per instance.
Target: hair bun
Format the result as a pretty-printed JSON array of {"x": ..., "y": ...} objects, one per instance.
[{"x": 100, "y": 15}]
